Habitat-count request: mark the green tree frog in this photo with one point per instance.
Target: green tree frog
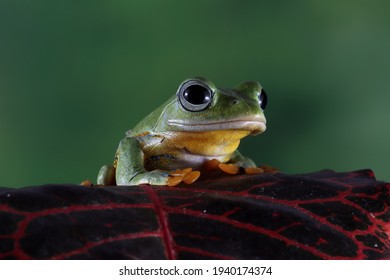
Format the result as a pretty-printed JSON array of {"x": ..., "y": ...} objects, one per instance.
[{"x": 200, "y": 124}]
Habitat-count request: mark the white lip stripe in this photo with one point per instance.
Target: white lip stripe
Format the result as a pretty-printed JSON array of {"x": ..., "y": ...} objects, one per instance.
[
  {"x": 256, "y": 118},
  {"x": 237, "y": 125},
  {"x": 254, "y": 123}
]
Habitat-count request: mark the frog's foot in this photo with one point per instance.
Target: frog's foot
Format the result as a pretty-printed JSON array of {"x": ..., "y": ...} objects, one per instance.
[
  {"x": 86, "y": 183},
  {"x": 229, "y": 168},
  {"x": 214, "y": 168},
  {"x": 235, "y": 168},
  {"x": 215, "y": 165},
  {"x": 269, "y": 169},
  {"x": 211, "y": 165},
  {"x": 182, "y": 175}
]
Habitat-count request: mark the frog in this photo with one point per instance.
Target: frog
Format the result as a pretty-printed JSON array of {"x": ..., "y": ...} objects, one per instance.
[{"x": 198, "y": 125}]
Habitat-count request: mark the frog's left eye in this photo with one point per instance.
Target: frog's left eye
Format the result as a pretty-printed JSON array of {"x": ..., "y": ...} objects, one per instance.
[
  {"x": 194, "y": 95},
  {"x": 263, "y": 99}
]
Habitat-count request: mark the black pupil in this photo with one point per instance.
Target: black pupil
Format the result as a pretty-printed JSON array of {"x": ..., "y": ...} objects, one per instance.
[
  {"x": 263, "y": 99},
  {"x": 197, "y": 95}
]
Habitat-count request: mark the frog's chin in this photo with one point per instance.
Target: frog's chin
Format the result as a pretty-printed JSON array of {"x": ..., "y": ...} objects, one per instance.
[{"x": 255, "y": 125}]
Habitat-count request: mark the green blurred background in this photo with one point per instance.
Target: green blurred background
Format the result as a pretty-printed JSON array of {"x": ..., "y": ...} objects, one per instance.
[{"x": 75, "y": 75}]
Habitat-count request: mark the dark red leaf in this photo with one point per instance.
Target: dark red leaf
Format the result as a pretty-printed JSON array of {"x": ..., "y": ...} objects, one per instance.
[{"x": 323, "y": 215}]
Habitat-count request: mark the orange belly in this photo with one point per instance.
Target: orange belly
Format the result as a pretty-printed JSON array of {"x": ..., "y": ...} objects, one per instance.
[{"x": 176, "y": 150}]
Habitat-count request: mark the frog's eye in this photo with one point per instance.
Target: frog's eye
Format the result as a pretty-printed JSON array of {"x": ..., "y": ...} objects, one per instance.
[
  {"x": 263, "y": 99},
  {"x": 195, "y": 96}
]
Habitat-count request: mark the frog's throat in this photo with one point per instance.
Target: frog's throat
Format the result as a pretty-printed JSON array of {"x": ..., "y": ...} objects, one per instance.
[{"x": 255, "y": 125}]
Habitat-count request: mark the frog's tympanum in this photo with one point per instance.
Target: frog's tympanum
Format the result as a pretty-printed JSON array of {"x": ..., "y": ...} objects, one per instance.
[{"x": 201, "y": 126}]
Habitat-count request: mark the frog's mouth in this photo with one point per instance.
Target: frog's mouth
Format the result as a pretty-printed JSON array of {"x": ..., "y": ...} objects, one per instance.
[{"x": 255, "y": 124}]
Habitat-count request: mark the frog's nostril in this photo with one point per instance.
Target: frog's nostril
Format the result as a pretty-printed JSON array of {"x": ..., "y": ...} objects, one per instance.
[{"x": 235, "y": 101}]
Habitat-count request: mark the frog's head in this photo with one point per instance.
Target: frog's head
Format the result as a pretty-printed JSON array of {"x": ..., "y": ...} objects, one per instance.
[{"x": 200, "y": 106}]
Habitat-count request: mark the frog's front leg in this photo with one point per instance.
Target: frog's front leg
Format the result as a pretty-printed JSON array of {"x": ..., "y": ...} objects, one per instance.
[
  {"x": 106, "y": 176},
  {"x": 238, "y": 160},
  {"x": 241, "y": 160},
  {"x": 130, "y": 166}
]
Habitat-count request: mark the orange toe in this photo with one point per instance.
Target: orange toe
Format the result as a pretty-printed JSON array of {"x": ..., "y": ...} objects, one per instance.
[
  {"x": 191, "y": 177},
  {"x": 254, "y": 170},
  {"x": 229, "y": 168},
  {"x": 181, "y": 172},
  {"x": 173, "y": 181},
  {"x": 211, "y": 165},
  {"x": 269, "y": 169},
  {"x": 86, "y": 183}
]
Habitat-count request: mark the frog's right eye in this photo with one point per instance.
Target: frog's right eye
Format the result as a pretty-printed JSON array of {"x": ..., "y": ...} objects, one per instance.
[
  {"x": 263, "y": 99},
  {"x": 194, "y": 95}
]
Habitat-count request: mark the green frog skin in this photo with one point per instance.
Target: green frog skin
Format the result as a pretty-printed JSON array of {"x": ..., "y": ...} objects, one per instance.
[{"x": 199, "y": 124}]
